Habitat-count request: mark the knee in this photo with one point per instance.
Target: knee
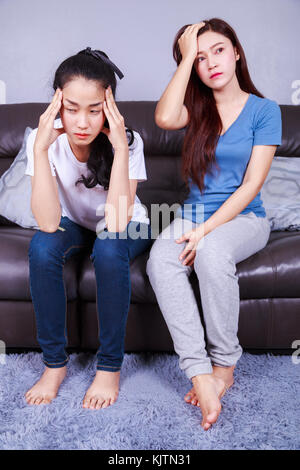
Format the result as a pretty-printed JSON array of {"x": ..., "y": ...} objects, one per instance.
[
  {"x": 42, "y": 249},
  {"x": 211, "y": 258},
  {"x": 38, "y": 248},
  {"x": 159, "y": 259},
  {"x": 109, "y": 253}
]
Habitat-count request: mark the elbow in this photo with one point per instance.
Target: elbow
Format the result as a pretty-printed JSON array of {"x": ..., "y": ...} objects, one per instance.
[
  {"x": 117, "y": 228},
  {"x": 46, "y": 228},
  {"x": 162, "y": 121},
  {"x": 49, "y": 229}
]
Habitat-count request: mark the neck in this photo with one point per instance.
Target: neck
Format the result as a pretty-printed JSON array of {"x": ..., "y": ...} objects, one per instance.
[
  {"x": 82, "y": 153},
  {"x": 230, "y": 94}
]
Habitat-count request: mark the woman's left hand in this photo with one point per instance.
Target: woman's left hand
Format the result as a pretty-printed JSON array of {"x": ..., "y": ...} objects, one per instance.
[
  {"x": 116, "y": 132},
  {"x": 193, "y": 237}
]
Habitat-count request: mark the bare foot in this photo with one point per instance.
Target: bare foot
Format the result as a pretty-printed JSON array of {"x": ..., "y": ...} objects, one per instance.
[
  {"x": 207, "y": 389},
  {"x": 225, "y": 373},
  {"x": 47, "y": 387},
  {"x": 103, "y": 391}
]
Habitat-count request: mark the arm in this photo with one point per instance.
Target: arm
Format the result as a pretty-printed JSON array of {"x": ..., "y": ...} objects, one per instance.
[
  {"x": 256, "y": 173},
  {"x": 171, "y": 113},
  {"x": 121, "y": 192},
  {"x": 45, "y": 204}
]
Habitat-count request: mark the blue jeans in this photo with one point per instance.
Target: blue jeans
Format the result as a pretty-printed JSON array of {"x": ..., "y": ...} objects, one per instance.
[{"x": 111, "y": 258}]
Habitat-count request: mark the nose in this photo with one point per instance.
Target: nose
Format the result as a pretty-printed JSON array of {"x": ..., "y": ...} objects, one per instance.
[
  {"x": 82, "y": 121},
  {"x": 211, "y": 62}
]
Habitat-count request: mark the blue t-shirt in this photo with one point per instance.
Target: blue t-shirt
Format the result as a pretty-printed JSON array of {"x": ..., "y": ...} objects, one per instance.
[{"x": 259, "y": 123}]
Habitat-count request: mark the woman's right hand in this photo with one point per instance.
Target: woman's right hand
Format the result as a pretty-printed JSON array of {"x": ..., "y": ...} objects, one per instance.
[
  {"x": 46, "y": 134},
  {"x": 188, "y": 41}
]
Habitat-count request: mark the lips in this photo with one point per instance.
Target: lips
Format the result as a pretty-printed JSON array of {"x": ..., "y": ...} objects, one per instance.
[
  {"x": 215, "y": 75},
  {"x": 82, "y": 136}
]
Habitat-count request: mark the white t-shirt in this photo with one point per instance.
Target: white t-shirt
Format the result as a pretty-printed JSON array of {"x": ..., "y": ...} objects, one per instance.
[{"x": 79, "y": 203}]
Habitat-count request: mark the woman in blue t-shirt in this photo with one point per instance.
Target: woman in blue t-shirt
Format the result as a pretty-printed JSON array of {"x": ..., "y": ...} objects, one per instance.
[{"x": 231, "y": 136}]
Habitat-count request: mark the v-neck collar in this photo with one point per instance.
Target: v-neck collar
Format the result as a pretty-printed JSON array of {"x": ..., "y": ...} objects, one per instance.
[{"x": 231, "y": 125}]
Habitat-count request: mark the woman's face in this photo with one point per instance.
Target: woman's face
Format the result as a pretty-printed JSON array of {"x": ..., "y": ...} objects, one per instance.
[
  {"x": 216, "y": 55},
  {"x": 82, "y": 112}
]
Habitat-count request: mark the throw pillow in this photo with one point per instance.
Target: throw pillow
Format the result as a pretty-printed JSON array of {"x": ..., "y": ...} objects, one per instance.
[
  {"x": 15, "y": 190},
  {"x": 280, "y": 194}
]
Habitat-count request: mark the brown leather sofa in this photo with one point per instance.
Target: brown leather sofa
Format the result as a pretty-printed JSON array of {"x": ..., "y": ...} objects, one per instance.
[{"x": 269, "y": 280}]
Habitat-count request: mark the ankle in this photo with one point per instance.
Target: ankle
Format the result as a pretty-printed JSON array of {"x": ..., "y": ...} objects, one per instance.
[
  {"x": 202, "y": 378},
  {"x": 55, "y": 370}
]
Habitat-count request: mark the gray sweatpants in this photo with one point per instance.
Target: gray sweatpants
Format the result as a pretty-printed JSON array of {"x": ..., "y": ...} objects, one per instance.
[{"x": 215, "y": 265}]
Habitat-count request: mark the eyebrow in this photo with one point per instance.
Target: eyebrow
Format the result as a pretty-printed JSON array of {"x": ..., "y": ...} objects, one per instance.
[
  {"x": 217, "y": 43},
  {"x": 76, "y": 104}
]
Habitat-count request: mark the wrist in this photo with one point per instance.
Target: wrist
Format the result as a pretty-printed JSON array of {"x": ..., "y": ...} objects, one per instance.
[
  {"x": 207, "y": 226},
  {"x": 122, "y": 149},
  {"x": 39, "y": 149},
  {"x": 188, "y": 60}
]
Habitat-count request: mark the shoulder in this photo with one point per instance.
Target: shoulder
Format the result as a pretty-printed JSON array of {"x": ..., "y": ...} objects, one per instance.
[{"x": 265, "y": 108}]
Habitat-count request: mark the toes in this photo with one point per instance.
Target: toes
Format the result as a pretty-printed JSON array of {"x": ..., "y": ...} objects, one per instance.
[
  {"x": 86, "y": 402},
  {"x": 113, "y": 400},
  {"x": 106, "y": 403},
  {"x": 191, "y": 394},
  {"x": 212, "y": 417},
  {"x": 206, "y": 426},
  {"x": 38, "y": 400},
  {"x": 93, "y": 402},
  {"x": 98, "y": 405},
  {"x": 27, "y": 398}
]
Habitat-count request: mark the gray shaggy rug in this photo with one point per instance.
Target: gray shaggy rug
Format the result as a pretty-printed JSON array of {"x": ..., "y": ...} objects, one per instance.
[{"x": 260, "y": 411}]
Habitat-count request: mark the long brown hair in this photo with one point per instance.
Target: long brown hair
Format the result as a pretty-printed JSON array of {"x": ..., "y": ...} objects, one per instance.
[{"x": 205, "y": 125}]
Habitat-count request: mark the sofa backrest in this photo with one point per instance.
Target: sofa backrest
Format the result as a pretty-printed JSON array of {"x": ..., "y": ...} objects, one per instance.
[{"x": 162, "y": 148}]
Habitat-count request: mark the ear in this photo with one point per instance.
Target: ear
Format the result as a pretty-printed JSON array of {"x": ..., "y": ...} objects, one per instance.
[{"x": 237, "y": 55}]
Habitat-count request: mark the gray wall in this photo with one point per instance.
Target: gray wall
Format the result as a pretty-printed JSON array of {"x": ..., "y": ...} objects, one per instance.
[{"x": 36, "y": 35}]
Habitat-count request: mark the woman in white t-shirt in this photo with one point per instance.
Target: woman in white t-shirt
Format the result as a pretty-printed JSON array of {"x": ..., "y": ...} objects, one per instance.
[{"x": 85, "y": 169}]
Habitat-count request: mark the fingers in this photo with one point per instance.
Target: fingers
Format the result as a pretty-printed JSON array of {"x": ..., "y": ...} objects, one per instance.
[
  {"x": 111, "y": 105},
  {"x": 190, "y": 258},
  {"x": 195, "y": 27},
  {"x": 187, "y": 249},
  {"x": 185, "y": 236},
  {"x": 54, "y": 106}
]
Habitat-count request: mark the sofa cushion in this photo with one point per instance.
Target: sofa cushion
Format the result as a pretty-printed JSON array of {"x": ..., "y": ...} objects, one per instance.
[
  {"x": 14, "y": 266},
  {"x": 141, "y": 290},
  {"x": 272, "y": 272}
]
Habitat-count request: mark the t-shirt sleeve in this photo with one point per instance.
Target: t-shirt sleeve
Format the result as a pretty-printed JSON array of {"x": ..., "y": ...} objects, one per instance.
[
  {"x": 30, "y": 158},
  {"x": 268, "y": 128},
  {"x": 137, "y": 168}
]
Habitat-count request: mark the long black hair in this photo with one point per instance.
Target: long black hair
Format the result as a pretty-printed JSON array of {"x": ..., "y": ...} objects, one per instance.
[{"x": 89, "y": 65}]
